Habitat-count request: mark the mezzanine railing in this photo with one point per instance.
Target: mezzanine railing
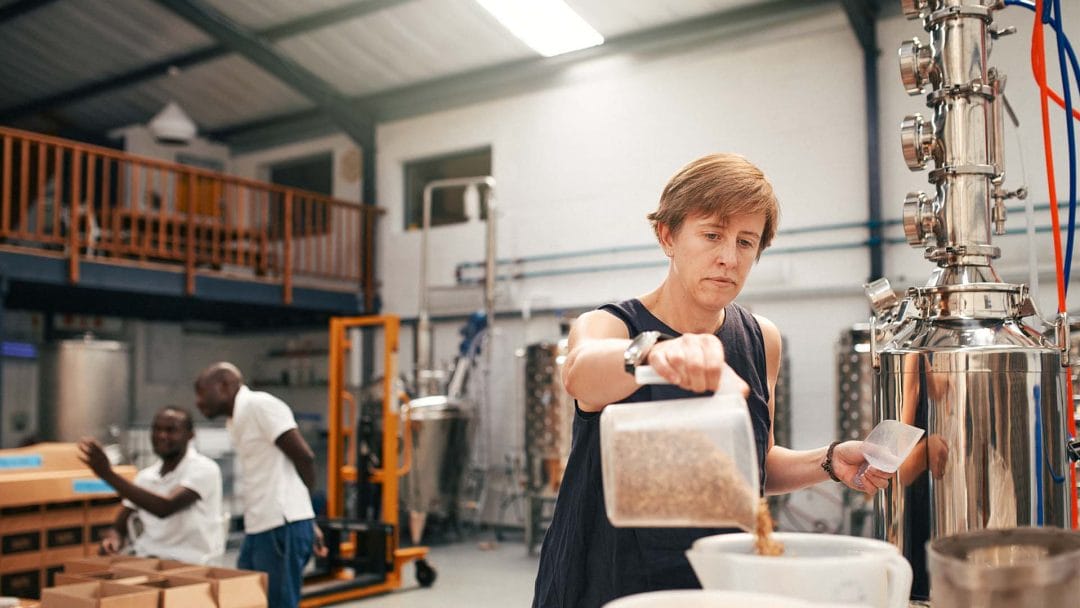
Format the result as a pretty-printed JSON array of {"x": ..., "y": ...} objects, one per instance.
[{"x": 133, "y": 210}]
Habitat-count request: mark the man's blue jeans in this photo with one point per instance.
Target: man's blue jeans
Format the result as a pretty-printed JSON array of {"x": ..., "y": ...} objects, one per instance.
[{"x": 282, "y": 553}]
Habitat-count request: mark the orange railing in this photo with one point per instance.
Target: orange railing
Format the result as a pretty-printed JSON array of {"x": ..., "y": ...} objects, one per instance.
[{"x": 134, "y": 210}]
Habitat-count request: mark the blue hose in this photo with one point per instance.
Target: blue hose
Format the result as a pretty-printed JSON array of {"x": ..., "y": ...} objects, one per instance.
[
  {"x": 1052, "y": 17},
  {"x": 1067, "y": 95}
]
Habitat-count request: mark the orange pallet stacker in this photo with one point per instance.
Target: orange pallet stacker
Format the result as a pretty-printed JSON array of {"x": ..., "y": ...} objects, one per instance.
[{"x": 365, "y": 557}]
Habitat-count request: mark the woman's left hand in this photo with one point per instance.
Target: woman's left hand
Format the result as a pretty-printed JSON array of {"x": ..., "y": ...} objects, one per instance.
[{"x": 851, "y": 467}]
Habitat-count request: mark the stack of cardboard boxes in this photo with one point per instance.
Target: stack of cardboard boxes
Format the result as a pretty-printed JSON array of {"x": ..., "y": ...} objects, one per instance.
[
  {"x": 52, "y": 509},
  {"x": 53, "y": 512},
  {"x": 104, "y": 582}
]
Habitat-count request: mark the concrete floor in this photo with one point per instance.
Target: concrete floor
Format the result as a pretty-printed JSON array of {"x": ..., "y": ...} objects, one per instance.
[{"x": 469, "y": 577}]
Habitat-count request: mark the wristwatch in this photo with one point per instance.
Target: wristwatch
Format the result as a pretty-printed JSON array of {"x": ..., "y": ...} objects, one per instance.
[{"x": 638, "y": 351}]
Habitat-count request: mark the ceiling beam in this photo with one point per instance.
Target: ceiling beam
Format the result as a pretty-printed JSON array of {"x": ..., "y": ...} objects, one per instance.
[
  {"x": 862, "y": 15},
  {"x": 21, "y": 7},
  {"x": 262, "y": 53},
  {"x": 524, "y": 75},
  {"x": 352, "y": 10}
]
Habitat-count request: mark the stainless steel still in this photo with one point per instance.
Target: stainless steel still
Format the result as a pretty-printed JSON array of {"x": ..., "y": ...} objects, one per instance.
[
  {"x": 957, "y": 357},
  {"x": 989, "y": 395},
  {"x": 440, "y": 429},
  {"x": 85, "y": 388},
  {"x": 1021, "y": 568}
]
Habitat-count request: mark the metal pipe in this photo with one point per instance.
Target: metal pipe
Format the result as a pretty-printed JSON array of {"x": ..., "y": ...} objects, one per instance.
[
  {"x": 425, "y": 362},
  {"x": 580, "y": 253}
]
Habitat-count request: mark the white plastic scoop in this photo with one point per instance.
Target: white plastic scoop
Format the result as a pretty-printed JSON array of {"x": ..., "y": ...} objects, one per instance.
[{"x": 889, "y": 444}]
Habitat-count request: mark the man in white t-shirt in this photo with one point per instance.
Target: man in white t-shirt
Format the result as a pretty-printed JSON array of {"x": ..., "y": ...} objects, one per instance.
[
  {"x": 277, "y": 472},
  {"x": 177, "y": 500}
]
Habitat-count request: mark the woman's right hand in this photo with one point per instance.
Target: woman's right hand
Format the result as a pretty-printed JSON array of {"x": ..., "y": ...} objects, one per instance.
[{"x": 696, "y": 363}]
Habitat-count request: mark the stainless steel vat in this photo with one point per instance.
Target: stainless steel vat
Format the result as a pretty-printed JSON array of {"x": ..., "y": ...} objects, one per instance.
[
  {"x": 85, "y": 389},
  {"x": 439, "y": 428},
  {"x": 1021, "y": 568},
  {"x": 988, "y": 392}
]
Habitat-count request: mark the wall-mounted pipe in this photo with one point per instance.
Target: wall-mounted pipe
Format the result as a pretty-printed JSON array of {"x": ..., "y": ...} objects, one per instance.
[{"x": 581, "y": 253}]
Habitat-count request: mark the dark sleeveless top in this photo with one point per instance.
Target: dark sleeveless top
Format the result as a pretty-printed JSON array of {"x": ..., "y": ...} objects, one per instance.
[{"x": 585, "y": 561}]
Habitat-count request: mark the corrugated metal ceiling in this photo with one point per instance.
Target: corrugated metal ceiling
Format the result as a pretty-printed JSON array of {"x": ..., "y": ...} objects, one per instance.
[{"x": 64, "y": 44}]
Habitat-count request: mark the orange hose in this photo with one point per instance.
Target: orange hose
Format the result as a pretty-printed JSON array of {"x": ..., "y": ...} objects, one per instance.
[
  {"x": 1061, "y": 102},
  {"x": 1038, "y": 66}
]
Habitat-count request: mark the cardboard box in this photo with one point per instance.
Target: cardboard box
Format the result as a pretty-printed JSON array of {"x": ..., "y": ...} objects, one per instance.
[
  {"x": 20, "y": 543},
  {"x": 51, "y": 557},
  {"x": 64, "y": 514},
  {"x": 99, "y": 595},
  {"x": 26, "y": 583},
  {"x": 233, "y": 588},
  {"x": 103, "y": 510},
  {"x": 18, "y": 563},
  {"x": 41, "y": 457},
  {"x": 157, "y": 566},
  {"x": 97, "y": 564},
  {"x": 49, "y": 574},
  {"x": 179, "y": 592},
  {"x": 96, "y": 532},
  {"x": 122, "y": 577},
  {"x": 22, "y": 518},
  {"x": 40, "y": 487}
]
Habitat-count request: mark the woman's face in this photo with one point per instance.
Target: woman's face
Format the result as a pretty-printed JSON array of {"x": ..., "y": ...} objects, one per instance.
[{"x": 711, "y": 256}]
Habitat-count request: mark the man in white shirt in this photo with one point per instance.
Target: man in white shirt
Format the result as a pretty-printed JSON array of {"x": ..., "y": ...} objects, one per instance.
[
  {"x": 277, "y": 472},
  {"x": 177, "y": 500}
]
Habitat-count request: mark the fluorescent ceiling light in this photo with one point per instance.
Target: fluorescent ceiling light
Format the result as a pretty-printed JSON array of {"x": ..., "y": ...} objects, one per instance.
[{"x": 550, "y": 27}]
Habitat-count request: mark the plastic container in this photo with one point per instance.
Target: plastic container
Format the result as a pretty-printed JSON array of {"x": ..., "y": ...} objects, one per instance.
[
  {"x": 889, "y": 444},
  {"x": 685, "y": 598},
  {"x": 680, "y": 463},
  {"x": 844, "y": 570}
]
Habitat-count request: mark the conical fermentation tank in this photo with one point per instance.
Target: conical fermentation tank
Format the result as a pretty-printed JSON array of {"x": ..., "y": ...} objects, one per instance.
[{"x": 963, "y": 357}]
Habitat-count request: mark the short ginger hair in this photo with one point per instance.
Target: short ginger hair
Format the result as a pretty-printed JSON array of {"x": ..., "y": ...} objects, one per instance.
[{"x": 718, "y": 185}]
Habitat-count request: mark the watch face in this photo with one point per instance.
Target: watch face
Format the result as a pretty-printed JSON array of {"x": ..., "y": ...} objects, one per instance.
[{"x": 639, "y": 347}]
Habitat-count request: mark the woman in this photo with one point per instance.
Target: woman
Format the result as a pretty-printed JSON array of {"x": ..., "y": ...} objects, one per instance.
[{"x": 715, "y": 217}]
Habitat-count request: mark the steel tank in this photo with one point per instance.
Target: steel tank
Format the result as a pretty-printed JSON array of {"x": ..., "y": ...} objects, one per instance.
[
  {"x": 854, "y": 383},
  {"x": 549, "y": 416},
  {"x": 855, "y": 414},
  {"x": 85, "y": 388},
  {"x": 988, "y": 393},
  {"x": 439, "y": 427},
  {"x": 549, "y": 423}
]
